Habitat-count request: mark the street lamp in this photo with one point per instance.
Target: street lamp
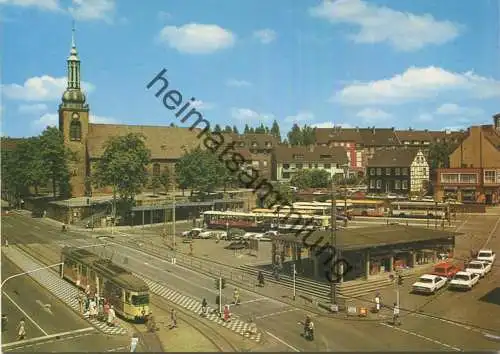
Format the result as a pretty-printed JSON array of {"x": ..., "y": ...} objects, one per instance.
[
  {"x": 32, "y": 271},
  {"x": 333, "y": 242}
]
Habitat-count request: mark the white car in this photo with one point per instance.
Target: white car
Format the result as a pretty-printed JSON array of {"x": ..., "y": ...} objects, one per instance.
[
  {"x": 206, "y": 234},
  {"x": 464, "y": 280},
  {"x": 478, "y": 267},
  {"x": 428, "y": 284},
  {"x": 248, "y": 235},
  {"x": 486, "y": 255}
]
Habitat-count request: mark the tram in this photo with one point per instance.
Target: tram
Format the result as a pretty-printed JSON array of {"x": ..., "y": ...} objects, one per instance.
[{"x": 126, "y": 292}]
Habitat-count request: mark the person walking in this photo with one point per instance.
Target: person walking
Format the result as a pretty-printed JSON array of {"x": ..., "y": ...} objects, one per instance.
[
  {"x": 227, "y": 314},
  {"x": 173, "y": 318},
  {"x": 92, "y": 309},
  {"x": 236, "y": 296},
  {"x": 204, "y": 305},
  {"x": 395, "y": 315},
  {"x": 111, "y": 316},
  {"x": 377, "y": 303},
  {"x": 217, "y": 302},
  {"x": 133, "y": 342},
  {"x": 21, "y": 330}
]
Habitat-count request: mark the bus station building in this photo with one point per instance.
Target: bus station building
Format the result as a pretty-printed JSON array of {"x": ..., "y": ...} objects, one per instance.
[{"x": 368, "y": 252}]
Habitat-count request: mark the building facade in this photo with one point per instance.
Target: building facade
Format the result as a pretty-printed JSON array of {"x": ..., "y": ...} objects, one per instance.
[
  {"x": 474, "y": 173},
  {"x": 402, "y": 171},
  {"x": 289, "y": 160}
]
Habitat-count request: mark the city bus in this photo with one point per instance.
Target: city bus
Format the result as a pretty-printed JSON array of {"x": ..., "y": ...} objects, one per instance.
[
  {"x": 419, "y": 209},
  {"x": 343, "y": 206},
  {"x": 264, "y": 221},
  {"x": 363, "y": 207}
]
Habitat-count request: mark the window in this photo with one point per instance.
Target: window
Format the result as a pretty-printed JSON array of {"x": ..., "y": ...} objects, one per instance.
[
  {"x": 405, "y": 185},
  {"x": 156, "y": 169},
  {"x": 286, "y": 166},
  {"x": 379, "y": 171},
  {"x": 469, "y": 178},
  {"x": 398, "y": 171},
  {"x": 315, "y": 165},
  {"x": 268, "y": 144},
  {"x": 138, "y": 300},
  {"x": 379, "y": 183},
  {"x": 449, "y": 178},
  {"x": 310, "y": 165},
  {"x": 264, "y": 163},
  {"x": 325, "y": 156},
  {"x": 490, "y": 176},
  {"x": 298, "y": 157},
  {"x": 285, "y": 175},
  {"x": 372, "y": 172},
  {"x": 387, "y": 171},
  {"x": 372, "y": 184},
  {"x": 327, "y": 166},
  {"x": 255, "y": 163},
  {"x": 397, "y": 184},
  {"x": 299, "y": 165},
  {"x": 242, "y": 144},
  {"x": 405, "y": 171},
  {"x": 254, "y": 144},
  {"x": 406, "y": 142},
  {"x": 75, "y": 130}
]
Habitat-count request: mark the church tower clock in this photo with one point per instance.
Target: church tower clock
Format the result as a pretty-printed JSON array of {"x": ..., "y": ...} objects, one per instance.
[{"x": 74, "y": 122}]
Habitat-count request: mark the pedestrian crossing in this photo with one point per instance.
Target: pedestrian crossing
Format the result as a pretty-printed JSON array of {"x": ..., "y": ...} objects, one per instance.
[
  {"x": 60, "y": 288},
  {"x": 235, "y": 325}
]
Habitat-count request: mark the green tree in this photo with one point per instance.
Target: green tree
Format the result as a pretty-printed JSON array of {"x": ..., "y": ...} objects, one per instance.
[
  {"x": 308, "y": 135},
  {"x": 319, "y": 178},
  {"x": 35, "y": 173},
  {"x": 165, "y": 180},
  {"x": 235, "y": 130},
  {"x": 275, "y": 130},
  {"x": 155, "y": 183},
  {"x": 247, "y": 129},
  {"x": 13, "y": 180},
  {"x": 302, "y": 179},
  {"x": 295, "y": 136},
  {"x": 283, "y": 196},
  {"x": 260, "y": 129},
  {"x": 228, "y": 129},
  {"x": 439, "y": 155},
  {"x": 55, "y": 157},
  {"x": 217, "y": 128},
  {"x": 123, "y": 167}
]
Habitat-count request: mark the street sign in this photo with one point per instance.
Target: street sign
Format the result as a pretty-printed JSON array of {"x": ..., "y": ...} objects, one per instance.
[
  {"x": 352, "y": 310},
  {"x": 334, "y": 308}
]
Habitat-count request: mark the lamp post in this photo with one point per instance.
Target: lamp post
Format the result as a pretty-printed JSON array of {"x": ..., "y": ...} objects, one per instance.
[
  {"x": 33, "y": 271},
  {"x": 333, "y": 242},
  {"x": 173, "y": 219}
]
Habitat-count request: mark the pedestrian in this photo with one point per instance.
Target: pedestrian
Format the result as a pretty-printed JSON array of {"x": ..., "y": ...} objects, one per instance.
[
  {"x": 217, "y": 302},
  {"x": 92, "y": 309},
  {"x": 80, "y": 303},
  {"x": 227, "y": 314},
  {"x": 377, "y": 303},
  {"x": 151, "y": 325},
  {"x": 133, "y": 342},
  {"x": 6, "y": 242},
  {"x": 4, "y": 322},
  {"x": 173, "y": 318},
  {"x": 395, "y": 315},
  {"x": 111, "y": 316},
  {"x": 236, "y": 296},
  {"x": 87, "y": 290},
  {"x": 204, "y": 307},
  {"x": 21, "y": 330}
]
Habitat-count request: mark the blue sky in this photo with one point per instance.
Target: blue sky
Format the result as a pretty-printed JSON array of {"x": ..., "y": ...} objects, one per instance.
[{"x": 402, "y": 63}]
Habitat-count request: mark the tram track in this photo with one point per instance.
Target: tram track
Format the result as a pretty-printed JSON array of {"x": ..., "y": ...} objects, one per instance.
[{"x": 208, "y": 330}]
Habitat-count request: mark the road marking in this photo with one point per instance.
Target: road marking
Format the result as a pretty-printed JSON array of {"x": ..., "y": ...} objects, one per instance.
[
  {"x": 491, "y": 336},
  {"x": 283, "y": 342},
  {"x": 275, "y": 313},
  {"x": 46, "y": 307},
  {"x": 254, "y": 300},
  {"x": 24, "y": 313},
  {"x": 26, "y": 342},
  {"x": 36, "y": 227},
  {"x": 491, "y": 233},
  {"x": 119, "y": 349},
  {"x": 421, "y": 336}
]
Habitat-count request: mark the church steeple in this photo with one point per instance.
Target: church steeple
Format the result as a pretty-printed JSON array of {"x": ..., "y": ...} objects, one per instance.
[
  {"x": 73, "y": 64},
  {"x": 73, "y": 96}
]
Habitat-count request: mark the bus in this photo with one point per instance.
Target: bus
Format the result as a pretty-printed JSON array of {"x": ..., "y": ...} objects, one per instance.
[
  {"x": 262, "y": 222},
  {"x": 363, "y": 207},
  {"x": 128, "y": 293},
  {"x": 419, "y": 209}
]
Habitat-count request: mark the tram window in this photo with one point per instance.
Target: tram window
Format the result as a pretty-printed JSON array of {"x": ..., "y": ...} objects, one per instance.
[
  {"x": 140, "y": 299},
  {"x": 127, "y": 297}
]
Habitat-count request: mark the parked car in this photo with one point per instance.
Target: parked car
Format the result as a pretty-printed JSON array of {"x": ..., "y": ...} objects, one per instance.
[
  {"x": 464, "y": 281},
  {"x": 206, "y": 234},
  {"x": 429, "y": 284},
  {"x": 445, "y": 270},
  {"x": 193, "y": 233},
  {"x": 478, "y": 267},
  {"x": 486, "y": 255}
]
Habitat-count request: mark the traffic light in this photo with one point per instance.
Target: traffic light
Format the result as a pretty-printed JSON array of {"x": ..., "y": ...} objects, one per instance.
[
  {"x": 223, "y": 285},
  {"x": 400, "y": 279}
]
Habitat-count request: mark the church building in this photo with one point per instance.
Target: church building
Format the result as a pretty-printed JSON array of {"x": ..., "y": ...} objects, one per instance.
[{"x": 86, "y": 139}]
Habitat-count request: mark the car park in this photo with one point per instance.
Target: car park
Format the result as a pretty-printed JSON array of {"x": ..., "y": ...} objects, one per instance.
[
  {"x": 464, "y": 281},
  {"x": 429, "y": 284},
  {"x": 480, "y": 268}
]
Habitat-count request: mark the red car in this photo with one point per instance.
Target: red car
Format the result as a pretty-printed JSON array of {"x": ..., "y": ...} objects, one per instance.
[{"x": 445, "y": 270}]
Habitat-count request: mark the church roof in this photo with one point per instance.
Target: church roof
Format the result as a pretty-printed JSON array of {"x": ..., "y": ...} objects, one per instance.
[{"x": 164, "y": 142}]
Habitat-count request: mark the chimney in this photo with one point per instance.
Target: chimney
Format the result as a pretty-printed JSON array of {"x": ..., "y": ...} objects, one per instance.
[{"x": 496, "y": 121}]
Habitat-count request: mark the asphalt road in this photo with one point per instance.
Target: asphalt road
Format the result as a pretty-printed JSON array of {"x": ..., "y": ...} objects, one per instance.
[
  {"x": 280, "y": 321},
  {"x": 50, "y": 325}
]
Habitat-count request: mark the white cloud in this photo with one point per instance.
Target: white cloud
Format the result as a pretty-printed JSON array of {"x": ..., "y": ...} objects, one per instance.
[
  {"x": 402, "y": 30},
  {"x": 52, "y": 120},
  {"x": 163, "y": 16},
  {"x": 248, "y": 115},
  {"x": 36, "y": 108},
  {"x": 88, "y": 10},
  {"x": 371, "y": 114},
  {"x": 195, "y": 38},
  {"x": 265, "y": 36},
  {"x": 40, "y": 88},
  {"x": 51, "y": 5},
  {"x": 452, "y": 109},
  {"x": 425, "y": 117},
  {"x": 237, "y": 83},
  {"x": 330, "y": 125},
  {"x": 417, "y": 84},
  {"x": 303, "y": 116},
  {"x": 202, "y": 105}
]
